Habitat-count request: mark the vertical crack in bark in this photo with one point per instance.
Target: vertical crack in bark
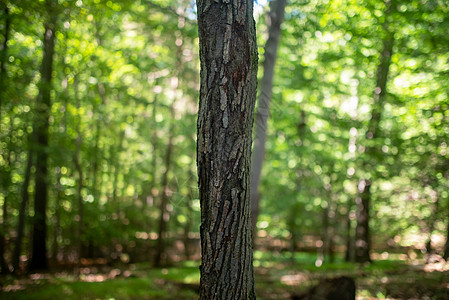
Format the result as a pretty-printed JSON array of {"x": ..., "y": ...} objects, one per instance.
[{"x": 228, "y": 55}]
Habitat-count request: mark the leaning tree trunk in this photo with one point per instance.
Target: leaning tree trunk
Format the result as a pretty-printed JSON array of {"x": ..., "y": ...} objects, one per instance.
[
  {"x": 43, "y": 109},
  {"x": 228, "y": 54},
  {"x": 362, "y": 234},
  {"x": 276, "y": 16}
]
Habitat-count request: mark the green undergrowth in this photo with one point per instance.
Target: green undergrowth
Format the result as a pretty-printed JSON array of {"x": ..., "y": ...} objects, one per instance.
[{"x": 277, "y": 275}]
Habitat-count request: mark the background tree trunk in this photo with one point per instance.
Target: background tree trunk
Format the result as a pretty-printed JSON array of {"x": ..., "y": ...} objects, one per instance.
[
  {"x": 276, "y": 16},
  {"x": 43, "y": 110},
  {"x": 363, "y": 201},
  {"x": 4, "y": 174},
  {"x": 228, "y": 54},
  {"x": 160, "y": 257}
]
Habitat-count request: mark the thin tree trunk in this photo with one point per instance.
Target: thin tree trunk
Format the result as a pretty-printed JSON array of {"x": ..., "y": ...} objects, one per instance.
[
  {"x": 446, "y": 245},
  {"x": 276, "y": 16},
  {"x": 5, "y": 179},
  {"x": 228, "y": 54},
  {"x": 160, "y": 257},
  {"x": 362, "y": 235},
  {"x": 4, "y": 55},
  {"x": 116, "y": 161},
  {"x": 431, "y": 226},
  {"x": 79, "y": 183},
  {"x": 349, "y": 254},
  {"x": 57, "y": 216},
  {"x": 43, "y": 109},
  {"x": 6, "y": 183},
  {"x": 22, "y": 210}
]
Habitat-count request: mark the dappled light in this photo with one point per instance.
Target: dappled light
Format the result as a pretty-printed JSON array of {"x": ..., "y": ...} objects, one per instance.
[{"x": 126, "y": 161}]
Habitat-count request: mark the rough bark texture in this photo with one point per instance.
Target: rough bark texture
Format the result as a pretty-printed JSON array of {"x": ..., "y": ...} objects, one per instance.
[
  {"x": 362, "y": 235},
  {"x": 276, "y": 16},
  {"x": 43, "y": 108},
  {"x": 228, "y": 54}
]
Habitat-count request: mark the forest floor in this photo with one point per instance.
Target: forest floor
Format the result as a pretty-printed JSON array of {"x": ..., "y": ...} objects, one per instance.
[{"x": 277, "y": 276}]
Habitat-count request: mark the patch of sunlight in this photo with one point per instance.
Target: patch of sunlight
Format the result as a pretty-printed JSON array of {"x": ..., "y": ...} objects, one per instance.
[{"x": 293, "y": 279}]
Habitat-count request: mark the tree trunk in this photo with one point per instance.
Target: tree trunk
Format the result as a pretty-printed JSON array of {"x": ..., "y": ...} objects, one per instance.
[
  {"x": 276, "y": 16},
  {"x": 446, "y": 246},
  {"x": 4, "y": 175},
  {"x": 349, "y": 254},
  {"x": 116, "y": 162},
  {"x": 43, "y": 109},
  {"x": 57, "y": 217},
  {"x": 79, "y": 183},
  {"x": 22, "y": 210},
  {"x": 228, "y": 54},
  {"x": 160, "y": 257},
  {"x": 431, "y": 225},
  {"x": 362, "y": 235},
  {"x": 4, "y": 55}
]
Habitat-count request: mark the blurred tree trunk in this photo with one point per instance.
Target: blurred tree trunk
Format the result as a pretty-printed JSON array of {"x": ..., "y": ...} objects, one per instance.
[
  {"x": 79, "y": 184},
  {"x": 431, "y": 224},
  {"x": 349, "y": 253},
  {"x": 115, "y": 154},
  {"x": 43, "y": 110},
  {"x": 4, "y": 54},
  {"x": 275, "y": 18},
  {"x": 22, "y": 209},
  {"x": 160, "y": 257},
  {"x": 228, "y": 54},
  {"x": 189, "y": 214},
  {"x": 5, "y": 172},
  {"x": 57, "y": 217},
  {"x": 363, "y": 201},
  {"x": 446, "y": 246}
]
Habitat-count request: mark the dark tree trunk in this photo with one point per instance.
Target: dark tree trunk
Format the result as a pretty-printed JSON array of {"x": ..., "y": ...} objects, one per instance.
[
  {"x": 22, "y": 211},
  {"x": 349, "y": 254},
  {"x": 43, "y": 109},
  {"x": 362, "y": 235},
  {"x": 228, "y": 54},
  {"x": 4, "y": 174},
  {"x": 57, "y": 217},
  {"x": 446, "y": 246},
  {"x": 4, "y": 54},
  {"x": 431, "y": 226},
  {"x": 276, "y": 16}
]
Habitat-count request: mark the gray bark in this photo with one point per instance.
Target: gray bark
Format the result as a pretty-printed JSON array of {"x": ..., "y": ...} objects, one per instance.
[
  {"x": 228, "y": 54},
  {"x": 276, "y": 16}
]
